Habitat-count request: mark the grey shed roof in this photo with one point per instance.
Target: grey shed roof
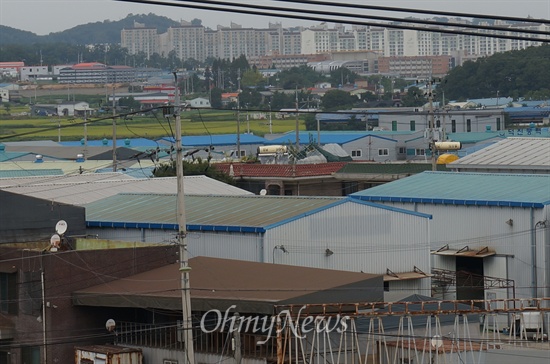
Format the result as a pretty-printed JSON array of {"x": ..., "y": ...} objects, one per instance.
[
  {"x": 212, "y": 213},
  {"x": 510, "y": 153},
  {"x": 86, "y": 188}
]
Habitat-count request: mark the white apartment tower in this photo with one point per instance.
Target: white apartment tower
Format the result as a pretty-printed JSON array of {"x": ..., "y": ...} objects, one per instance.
[
  {"x": 187, "y": 41},
  {"x": 140, "y": 39}
]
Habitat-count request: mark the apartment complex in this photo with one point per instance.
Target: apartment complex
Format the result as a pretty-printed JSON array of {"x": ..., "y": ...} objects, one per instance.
[{"x": 195, "y": 41}]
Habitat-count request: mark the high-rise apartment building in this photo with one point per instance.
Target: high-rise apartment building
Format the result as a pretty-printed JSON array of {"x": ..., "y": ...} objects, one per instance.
[
  {"x": 140, "y": 39},
  {"x": 200, "y": 43}
]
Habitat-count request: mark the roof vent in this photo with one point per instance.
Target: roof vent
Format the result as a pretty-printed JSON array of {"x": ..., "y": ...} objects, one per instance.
[
  {"x": 80, "y": 158},
  {"x": 2, "y": 147},
  {"x": 82, "y": 141},
  {"x": 487, "y": 128},
  {"x": 127, "y": 142},
  {"x": 104, "y": 141},
  {"x": 38, "y": 158}
]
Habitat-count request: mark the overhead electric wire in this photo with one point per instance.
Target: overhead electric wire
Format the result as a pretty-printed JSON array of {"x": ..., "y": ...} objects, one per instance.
[
  {"x": 362, "y": 16},
  {"x": 418, "y": 11},
  {"x": 324, "y": 19}
]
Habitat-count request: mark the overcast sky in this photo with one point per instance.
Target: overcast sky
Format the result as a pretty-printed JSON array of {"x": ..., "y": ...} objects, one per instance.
[{"x": 45, "y": 16}]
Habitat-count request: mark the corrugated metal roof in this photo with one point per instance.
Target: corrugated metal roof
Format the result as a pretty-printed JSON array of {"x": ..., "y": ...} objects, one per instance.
[
  {"x": 27, "y": 173},
  {"x": 220, "y": 139},
  {"x": 246, "y": 213},
  {"x": 280, "y": 170},
  {"x": 69, "y": 167},
  {"x": 326, "y": 138},
  {"x": 6, "y": 156},
  {"x": 484, "y": 189},
  {"x": 532, "y": 153},
  {"x": 86, "y": 188},
  {"x": 388, "y": 168},
  {"x": 475, "y": 137},
  {"x": 134, "y": 142},
  {"x": 218, "y": 283}
]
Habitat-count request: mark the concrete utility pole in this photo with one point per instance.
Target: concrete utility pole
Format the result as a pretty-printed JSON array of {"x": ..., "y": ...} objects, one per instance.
[
  {"x": 182, "y": 234},
  {"x": 114, "y": 131},
  {"x": 431, "y": 134},
  {"x": 297, "y": 125},
  {"x": 239, "y": 114}
]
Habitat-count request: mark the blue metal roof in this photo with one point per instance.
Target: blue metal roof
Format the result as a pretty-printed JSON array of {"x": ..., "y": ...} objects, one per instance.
[
  {"x": 527, "y": 112},
  {"x": 222, "y": 139},
  {"x": 475, "y": 137},
  {"x": 451, "y": 188},
  {"x": 30, "y": 173},
  {"x": 326, "y": 138},
  {"x": 8, "y": 156},
  {"x": 135, "y": 142}
]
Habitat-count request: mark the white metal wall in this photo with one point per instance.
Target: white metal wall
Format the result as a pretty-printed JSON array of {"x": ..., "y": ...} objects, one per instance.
[
  {"x": 507, "y": 230},
  {"x": 361, "y": 237},
  {"x": 370, "y": 146}
]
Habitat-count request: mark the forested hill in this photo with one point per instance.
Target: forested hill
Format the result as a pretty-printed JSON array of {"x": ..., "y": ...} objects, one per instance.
[
  {"x": 92, "y": 33},
  {"x": 524, "y": 73}
]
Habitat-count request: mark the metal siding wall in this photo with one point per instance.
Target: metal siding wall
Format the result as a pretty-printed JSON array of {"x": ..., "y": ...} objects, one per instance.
[
  {"x": 240, "y": 246},
  {"x": 363, "y": 238},
  {"x": 480, "y": 226}
]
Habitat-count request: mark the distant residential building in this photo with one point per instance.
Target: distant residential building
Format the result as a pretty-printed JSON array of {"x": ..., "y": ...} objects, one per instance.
[
  {"x": 31, "y": 73},
  {"x": 97, "y": 73},
  {"x": 198, "y": 42},
  {"x": 199, "y": 102},
  {"x": 11, "y": 69},
  {"x": 418, "y": 66},
  {"x": 140, "y": 39}
]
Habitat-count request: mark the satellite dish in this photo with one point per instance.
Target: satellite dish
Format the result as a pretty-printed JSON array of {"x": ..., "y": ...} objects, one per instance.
[
  {"x": 110, "y": 325},
  {"x": 263, "y": 192},
  {"x": 55, "y": 241},
  {"x": 61, "y": 227},
  {"x": 436, "y": 342}
]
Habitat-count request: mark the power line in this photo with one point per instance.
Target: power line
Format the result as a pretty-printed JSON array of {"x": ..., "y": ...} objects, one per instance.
[
  {"x": 418, "y": 11},
  {"x": 324, "y": 19},
  {"x": 363, "y": 16}
]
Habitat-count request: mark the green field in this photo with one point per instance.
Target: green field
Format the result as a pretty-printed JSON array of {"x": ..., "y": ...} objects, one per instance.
[{"x": 14, "y": 128}]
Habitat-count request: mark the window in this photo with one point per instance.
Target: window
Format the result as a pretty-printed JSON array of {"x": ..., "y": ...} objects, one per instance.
[
  {"x": 8, "y": 293},
  {"x": 169, "y": 361},
  {"x": 438, "y": 123},
  {"x": 468, "y": 125},
  {"x": 412, "y": 125},
  {"x": 498, "y": 123},
  {"x": 453, "y": 126},
  {"x": 383, "y": 151},
  {"x": 402, "y": 150},
  {"x": 420, "y": 152},
  {"x": 394, "y": 125},
  {"x": 356, "y": 153}
]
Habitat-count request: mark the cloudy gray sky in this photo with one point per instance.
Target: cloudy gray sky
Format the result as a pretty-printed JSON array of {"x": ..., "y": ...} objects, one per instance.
[{"x": 45, "y": 16}]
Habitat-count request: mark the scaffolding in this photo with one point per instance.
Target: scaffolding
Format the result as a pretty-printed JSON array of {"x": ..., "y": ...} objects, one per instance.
[{"x": 428, "y": 332}]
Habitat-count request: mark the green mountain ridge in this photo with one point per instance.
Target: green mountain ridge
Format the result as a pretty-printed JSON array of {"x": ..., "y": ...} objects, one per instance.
[{"x": 107, "y": 31}]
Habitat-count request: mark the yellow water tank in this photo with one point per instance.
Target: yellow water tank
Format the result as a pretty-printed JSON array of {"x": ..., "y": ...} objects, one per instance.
[{"x": 446, "y": 158}]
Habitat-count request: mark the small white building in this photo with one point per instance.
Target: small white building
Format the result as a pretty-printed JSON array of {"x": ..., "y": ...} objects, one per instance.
[
  {"x": 31, "y": 73},
  {"x": 199, "y": 103}
]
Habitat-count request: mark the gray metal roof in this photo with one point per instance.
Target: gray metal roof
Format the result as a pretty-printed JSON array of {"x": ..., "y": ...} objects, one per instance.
[
  {"x": 231, "y": 213},
  {"x": 510, "y": 153},
  {"x": 85, "y": 188}
]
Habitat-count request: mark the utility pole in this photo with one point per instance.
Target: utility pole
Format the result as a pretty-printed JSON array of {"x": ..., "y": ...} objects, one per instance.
[
  {"x": 114, "y": 131},
  {"x": 431, "y": 134},
  {"x": 239, "y": 114},
  {"x": 270, "y": 125},
  {"x": 297, "y": 124},
  {"x": 182, "y": 234}
]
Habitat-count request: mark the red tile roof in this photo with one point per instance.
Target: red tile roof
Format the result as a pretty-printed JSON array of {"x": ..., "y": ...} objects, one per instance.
[{"x": 281, "y": 170}]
